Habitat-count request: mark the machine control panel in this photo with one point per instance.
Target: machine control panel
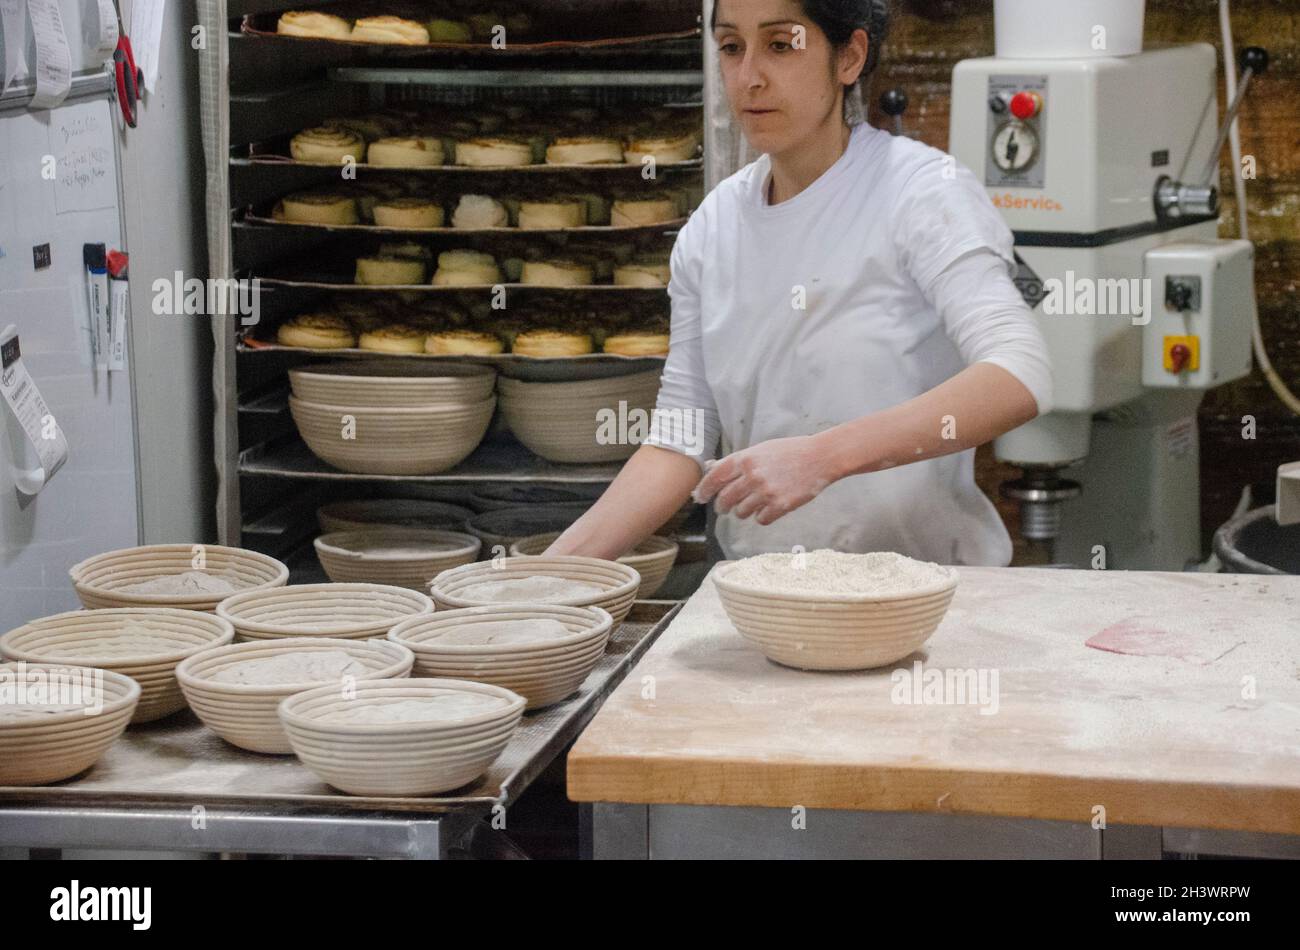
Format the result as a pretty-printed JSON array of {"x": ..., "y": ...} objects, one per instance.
[
  {"x": 1199, "y": 314},
  {"x": 1017, "y": 132}
]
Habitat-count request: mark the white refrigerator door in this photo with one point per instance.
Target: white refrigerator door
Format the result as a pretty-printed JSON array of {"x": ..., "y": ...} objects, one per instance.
[{"x": 59, "y": 187}]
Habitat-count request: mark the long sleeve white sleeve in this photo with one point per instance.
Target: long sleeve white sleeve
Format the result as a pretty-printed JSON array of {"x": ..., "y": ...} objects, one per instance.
[
  {"x": 988, "y": 321},
  {"x": 685, "y": 418},
  {"x": 960, "y": 252}
]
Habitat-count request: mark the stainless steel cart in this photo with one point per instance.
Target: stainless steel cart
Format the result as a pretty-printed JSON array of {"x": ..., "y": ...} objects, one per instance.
[{"x": 175, "y": 786}]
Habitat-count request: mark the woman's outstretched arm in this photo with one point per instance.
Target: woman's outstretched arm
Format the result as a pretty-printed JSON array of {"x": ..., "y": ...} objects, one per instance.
[
  {"x": 684, "y": 431},
  {"x": 648, "y": 491}
]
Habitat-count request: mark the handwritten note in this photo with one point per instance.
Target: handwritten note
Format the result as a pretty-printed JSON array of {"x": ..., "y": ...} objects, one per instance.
[{"x": 83, "y": 162}]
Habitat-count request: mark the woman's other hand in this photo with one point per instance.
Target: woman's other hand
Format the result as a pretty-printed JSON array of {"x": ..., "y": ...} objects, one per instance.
[{"x": 768, "y": 480}]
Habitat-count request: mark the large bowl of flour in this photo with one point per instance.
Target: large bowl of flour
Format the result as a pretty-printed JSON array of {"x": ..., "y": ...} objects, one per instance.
[{"x": 827, "y": 610}]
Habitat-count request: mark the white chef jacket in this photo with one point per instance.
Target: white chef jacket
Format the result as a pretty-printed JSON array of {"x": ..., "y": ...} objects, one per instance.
[{"x": 887, "y": 275}]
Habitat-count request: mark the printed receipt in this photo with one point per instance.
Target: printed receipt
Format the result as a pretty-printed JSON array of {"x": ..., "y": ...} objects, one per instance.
[
  {"x": 53, "y": 58},
  {"x": 32, "y": 415},
  {"x": 13, "y": 24},
  {"x": 99, "y": 28}
]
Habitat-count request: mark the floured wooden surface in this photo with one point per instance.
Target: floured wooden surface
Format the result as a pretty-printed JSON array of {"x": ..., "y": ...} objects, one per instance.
[{"x": 1166, "y": 732}]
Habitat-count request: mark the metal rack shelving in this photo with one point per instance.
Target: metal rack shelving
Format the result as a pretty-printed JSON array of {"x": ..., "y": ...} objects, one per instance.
[
  {"x": 270, "y": 90},
  {"x": 519, "y": 78},
  {"x": 495, "y": 460}
]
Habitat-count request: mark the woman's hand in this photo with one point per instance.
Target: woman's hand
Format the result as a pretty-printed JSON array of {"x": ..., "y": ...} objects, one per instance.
[{"x": 768, "y": 480}]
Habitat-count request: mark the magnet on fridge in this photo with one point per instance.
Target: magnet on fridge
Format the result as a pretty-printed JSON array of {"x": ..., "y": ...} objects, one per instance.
[{"x": 41, "y": 256}]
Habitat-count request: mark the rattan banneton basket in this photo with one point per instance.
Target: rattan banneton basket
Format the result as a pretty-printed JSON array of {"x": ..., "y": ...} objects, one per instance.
[
  {"x": 39, "y": 745},
  {"x": 384, "y": 441},
  {"x": 543, "y": 670},
  {"x": 834, "y": 632},
  {"x": 144, "y": 643},
  {"x": 393, "y": 383},
  {"x": 419, "y": 757},
  {"x": 247, "y": 714},
  {"x": 99, "y": 580},
  {"x": 585, "y": 421},
  {"x": 348, "y": 611},
  {"x": 619, "y": 582},
  {"x": 653, "y": 558},
  {"x": 366, "y": 555}
]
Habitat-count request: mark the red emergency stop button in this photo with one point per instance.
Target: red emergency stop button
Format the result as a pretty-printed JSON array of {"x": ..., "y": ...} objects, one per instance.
[
  {"x": 1180, "y": 354},
  {"x": 1026, "y": 105}
]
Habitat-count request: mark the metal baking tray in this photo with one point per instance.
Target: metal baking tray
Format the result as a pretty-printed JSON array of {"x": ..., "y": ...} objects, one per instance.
[
  {"x": 558, "y": 26},
  {"x": 289, "y": 277},
  {"x": 495, "y": 460},
  {"x": 264, "y": 216},
  {"x": 532, "y": 369},
  {"x": 276, "y": 152},
  {"x": 179, "y": 762},
  {"x": 535, "y": 369}
]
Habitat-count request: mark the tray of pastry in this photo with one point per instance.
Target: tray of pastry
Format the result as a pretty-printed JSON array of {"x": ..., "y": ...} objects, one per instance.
[
  {"x": 547, "y": 326},
  {"x": 340, "y": 278},
  {"x": 363, "y": 210},
  {"x": 418, "y": 210},
  {"x": 562, "y": 366},
  {"x": 490, "y": 203},
  {"x": 409, "y": 27},
  {"x": 333, "y": 146},
  {"x": 409, "y": 266}
]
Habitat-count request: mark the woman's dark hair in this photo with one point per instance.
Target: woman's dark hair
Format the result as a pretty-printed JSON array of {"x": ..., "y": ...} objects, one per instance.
[{"x": 839, "y": 19}]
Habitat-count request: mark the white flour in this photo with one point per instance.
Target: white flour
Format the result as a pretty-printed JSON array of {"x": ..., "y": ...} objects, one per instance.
[
  {"x": 503, "y": 631},
  {"x": 545, "y": 590},
  {"x": 447, "y": 706},
  {"x": 190, "y": 582},
  {"x": 308, "y": 666},
  {"x": 880, "y": 573},
  {"x": 431, "y": 549},
  {"x": 132, "y": 639}
]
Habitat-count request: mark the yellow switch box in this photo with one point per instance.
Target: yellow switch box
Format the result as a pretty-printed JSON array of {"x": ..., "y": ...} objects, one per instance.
[{"x": 1193, "y": 344}]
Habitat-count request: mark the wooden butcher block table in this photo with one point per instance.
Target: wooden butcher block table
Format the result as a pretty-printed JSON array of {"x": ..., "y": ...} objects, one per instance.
[{"x": 1123, "y": 701}]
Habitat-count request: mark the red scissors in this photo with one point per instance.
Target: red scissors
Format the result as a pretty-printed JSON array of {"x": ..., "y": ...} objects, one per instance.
[{"x": 129, "y": 77}]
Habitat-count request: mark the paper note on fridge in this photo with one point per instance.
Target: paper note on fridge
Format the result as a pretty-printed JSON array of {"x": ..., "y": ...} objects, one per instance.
[
  {"x": 81, "y": 146},
  {"x": 146, "y": 37},
  {"x": 28, "y": 419}
]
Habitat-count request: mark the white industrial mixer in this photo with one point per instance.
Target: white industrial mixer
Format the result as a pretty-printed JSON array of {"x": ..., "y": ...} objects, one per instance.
[{"x": 1103, "y": 158}]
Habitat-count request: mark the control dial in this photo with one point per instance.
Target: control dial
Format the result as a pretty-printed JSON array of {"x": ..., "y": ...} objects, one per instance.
[{"x": 1015, "y": 147}]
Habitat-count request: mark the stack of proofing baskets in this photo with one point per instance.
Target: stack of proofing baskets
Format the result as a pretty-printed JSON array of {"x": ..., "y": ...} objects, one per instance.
[{"x": 390, "y": 417}]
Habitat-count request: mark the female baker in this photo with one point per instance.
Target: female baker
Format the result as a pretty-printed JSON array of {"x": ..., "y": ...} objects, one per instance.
[{"x": 843, "y": 318}]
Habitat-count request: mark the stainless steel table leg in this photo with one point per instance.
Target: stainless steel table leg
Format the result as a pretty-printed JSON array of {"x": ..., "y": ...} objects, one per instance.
[
  {"x": 699, "y": 831},
  {"x": 616, "y": 832},
  {"x": 1131, "y": 843}
]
